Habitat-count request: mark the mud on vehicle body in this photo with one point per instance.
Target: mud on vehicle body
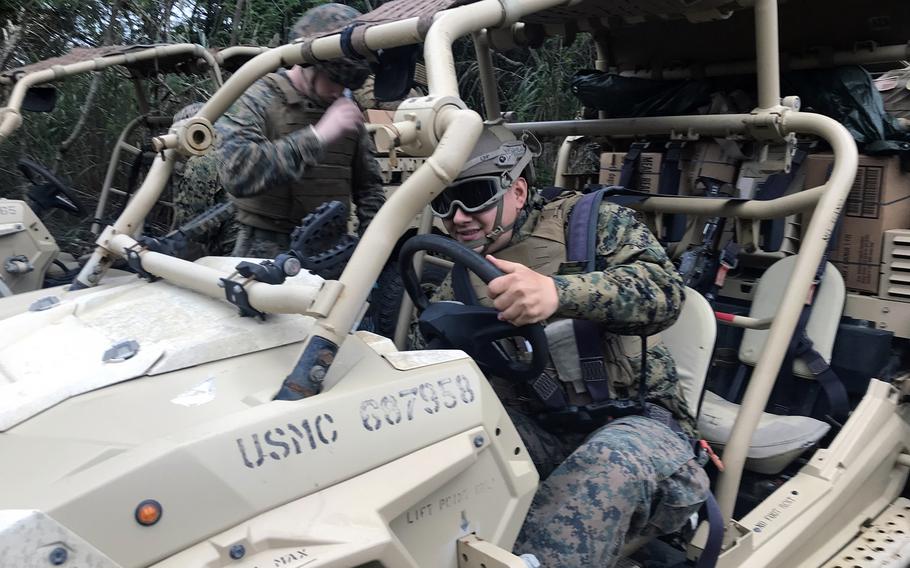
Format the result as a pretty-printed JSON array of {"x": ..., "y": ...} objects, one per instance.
[{"x": 171, "y": 448}]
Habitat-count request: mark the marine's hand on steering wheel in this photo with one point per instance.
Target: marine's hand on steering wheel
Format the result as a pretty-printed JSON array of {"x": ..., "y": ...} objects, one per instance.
[
  {"x": 475, "y": 330},
  {"x": 522, "y": 296}
]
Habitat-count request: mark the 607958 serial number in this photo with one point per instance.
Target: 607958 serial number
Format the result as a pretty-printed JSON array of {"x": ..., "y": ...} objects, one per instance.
[{"x": 428, "y": 397}]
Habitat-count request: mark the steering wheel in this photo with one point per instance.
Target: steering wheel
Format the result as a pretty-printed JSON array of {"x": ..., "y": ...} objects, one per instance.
[
  {"x": 476, "y": 330},
  {"x": 48, "y": 190}
]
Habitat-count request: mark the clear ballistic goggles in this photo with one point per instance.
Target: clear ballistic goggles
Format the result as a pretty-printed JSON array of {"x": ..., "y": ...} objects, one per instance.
[{"x": 471, "y": 195}]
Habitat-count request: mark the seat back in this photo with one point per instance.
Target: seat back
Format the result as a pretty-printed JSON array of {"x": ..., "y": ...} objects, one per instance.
[
  {"x": 823, "y": 321},
  {"x": 777, "y": 440},
  {"x": 691, "y": 342}
]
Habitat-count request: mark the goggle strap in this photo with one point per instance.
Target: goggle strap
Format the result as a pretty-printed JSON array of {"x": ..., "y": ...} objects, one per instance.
[
  {"x": 513, "y": 174},
  {"x": 478, "y": 160}
]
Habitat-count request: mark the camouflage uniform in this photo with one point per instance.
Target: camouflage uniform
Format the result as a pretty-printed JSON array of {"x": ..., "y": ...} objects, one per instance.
[
  {"x": 197, "y": 189},
  {"x": 250, "y": 163},
  {"x": 633, "y": 477},
  {"x": 271, "y": 160}
]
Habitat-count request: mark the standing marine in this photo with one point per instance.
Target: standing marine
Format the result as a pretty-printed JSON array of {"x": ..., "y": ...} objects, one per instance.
[{"x": 294, "y": 141}]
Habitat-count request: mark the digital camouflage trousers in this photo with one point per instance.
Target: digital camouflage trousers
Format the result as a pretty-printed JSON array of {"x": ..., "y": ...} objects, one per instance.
[
  {"x": 253, "y": 242},
  {"x": 633, "y": 478}
]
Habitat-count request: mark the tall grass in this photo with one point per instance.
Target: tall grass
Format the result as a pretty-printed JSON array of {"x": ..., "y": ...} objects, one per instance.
[{"x": 534, "y": 84}]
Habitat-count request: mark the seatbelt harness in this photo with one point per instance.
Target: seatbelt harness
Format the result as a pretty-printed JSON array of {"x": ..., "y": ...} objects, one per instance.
[
  {"x": 801, "y": 347},
  {"x": 670, "y": 174},
  {"x": 775, "y": 186},
  {"x": 698, "y": 266},
  {"x": 580, "y": 251},
  {"x": 628, "y": 177},
  {"x": 729, "y": 260}
]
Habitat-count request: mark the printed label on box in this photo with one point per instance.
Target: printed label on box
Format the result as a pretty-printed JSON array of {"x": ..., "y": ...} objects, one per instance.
[{"x": 866, "y": 194}]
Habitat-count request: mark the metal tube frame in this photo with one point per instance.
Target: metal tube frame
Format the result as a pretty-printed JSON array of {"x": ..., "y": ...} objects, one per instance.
[
  {"x": 811, "y": 249},
  {"x": 266, "y": 297},
  {"x": 112, "y": 166},
  {"x": 129, "y": 222},
  {"x": 459, "y": 128},
  {"x": 492, "y": 108},
  {"x": 11, "y": 117},
  {"x": 767, "y": 53},
  {"x": 744, "y": 322},
  {"x": 406, "y": 310},
  {"x": 602, "y": 61},
  {"x": 562, "y": 161}
]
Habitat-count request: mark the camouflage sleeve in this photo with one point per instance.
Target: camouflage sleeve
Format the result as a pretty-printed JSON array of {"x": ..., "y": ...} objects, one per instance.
[
  {"x": 249, "y": 162},
  {"x": 368, "y": 194},
  {"x": 635, "y": 289},
  {"x": 443, "y": 292}
]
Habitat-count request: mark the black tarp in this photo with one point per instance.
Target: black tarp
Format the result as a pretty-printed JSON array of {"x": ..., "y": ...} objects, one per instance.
[{"x": 846, "y": 94}]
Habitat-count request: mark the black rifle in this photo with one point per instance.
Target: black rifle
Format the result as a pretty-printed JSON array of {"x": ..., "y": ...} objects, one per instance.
[
  {"x": 699, "y": 264},
  {"x": 196, "y": 229}
]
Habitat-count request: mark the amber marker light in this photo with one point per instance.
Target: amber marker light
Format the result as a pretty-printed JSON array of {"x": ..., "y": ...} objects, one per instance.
[{"x": 148, "y": 512}]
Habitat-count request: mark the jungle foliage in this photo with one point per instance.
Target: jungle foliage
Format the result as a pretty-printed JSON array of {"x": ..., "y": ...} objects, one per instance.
[{"x": 77, "y": 138}]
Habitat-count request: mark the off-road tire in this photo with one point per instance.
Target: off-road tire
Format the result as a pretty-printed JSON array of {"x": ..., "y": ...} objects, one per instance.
[{"x": 385, "y": 301}]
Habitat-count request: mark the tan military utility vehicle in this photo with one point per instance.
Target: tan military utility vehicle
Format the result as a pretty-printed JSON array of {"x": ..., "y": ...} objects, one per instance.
[
  {"x": 150, "y": 424},
  {"x": 28, "y": 251}
]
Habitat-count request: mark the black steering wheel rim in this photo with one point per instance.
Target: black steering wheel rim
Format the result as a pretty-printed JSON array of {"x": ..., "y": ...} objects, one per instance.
[
  {"x": 477, "y": 344},
  {"x": 447, "y": 247},
  {"x": 33, "y": 171}
]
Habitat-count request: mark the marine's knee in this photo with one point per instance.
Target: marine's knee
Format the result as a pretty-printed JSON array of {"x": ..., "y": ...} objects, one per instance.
[{"x": 679, "y": 497}]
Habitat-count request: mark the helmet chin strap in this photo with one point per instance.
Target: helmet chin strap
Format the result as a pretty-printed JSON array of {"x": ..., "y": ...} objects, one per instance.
[
  {"x": 310, "y": 85},
  {"x": 498, "y": 229},
  {"x": 508, "y": 178}
]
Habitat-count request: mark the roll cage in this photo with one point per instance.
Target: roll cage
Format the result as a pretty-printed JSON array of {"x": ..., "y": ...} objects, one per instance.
[{"x": 441, "y": 127}]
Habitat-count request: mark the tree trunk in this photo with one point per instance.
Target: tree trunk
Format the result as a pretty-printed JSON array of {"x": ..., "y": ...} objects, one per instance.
[
  {"x": 235, "y": 22},
  {"x": 165, "y": 30},
  {"x": 12, "y": 33},
  {"x": 216, "y": 22},
  {"x": 90, "y": 96}
]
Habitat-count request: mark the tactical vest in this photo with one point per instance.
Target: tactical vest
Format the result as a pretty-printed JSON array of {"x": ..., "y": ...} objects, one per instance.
[
  {"x": 281, "y": 207},
  {"x": 544, "y": 251}
]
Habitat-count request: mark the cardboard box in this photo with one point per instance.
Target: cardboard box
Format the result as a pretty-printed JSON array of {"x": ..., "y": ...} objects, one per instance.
[
  {"x": 608, "y": 176},
  {"x": 648, "y": 182},
  {"x": 708, "y": 159},
  {"x": 649, "y": 164},
  {"x": 374, "y": 116},
  {"x": 879, "y": 201}
]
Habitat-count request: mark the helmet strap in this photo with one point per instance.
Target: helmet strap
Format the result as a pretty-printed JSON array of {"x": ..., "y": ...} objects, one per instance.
[
  {"x": 312, "y": 86},
  {"x": 491, "y": 237}
]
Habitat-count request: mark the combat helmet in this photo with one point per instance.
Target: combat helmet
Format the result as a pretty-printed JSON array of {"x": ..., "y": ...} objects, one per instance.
[
  {"x": 326, "y": 18},
  {"x": 187, "y": 111},
  {"x": 497, "y": 160}
]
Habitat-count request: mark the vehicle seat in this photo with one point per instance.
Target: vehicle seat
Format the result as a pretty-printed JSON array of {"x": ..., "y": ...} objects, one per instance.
[
  {"x": 691, "y": 342},
  {"x": 778, "y": 440}
]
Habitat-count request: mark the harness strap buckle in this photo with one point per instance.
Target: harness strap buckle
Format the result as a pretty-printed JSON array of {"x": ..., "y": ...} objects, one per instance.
[
  {"x": 549, "y": 391},
  {"x": 706, "y": 449}
]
